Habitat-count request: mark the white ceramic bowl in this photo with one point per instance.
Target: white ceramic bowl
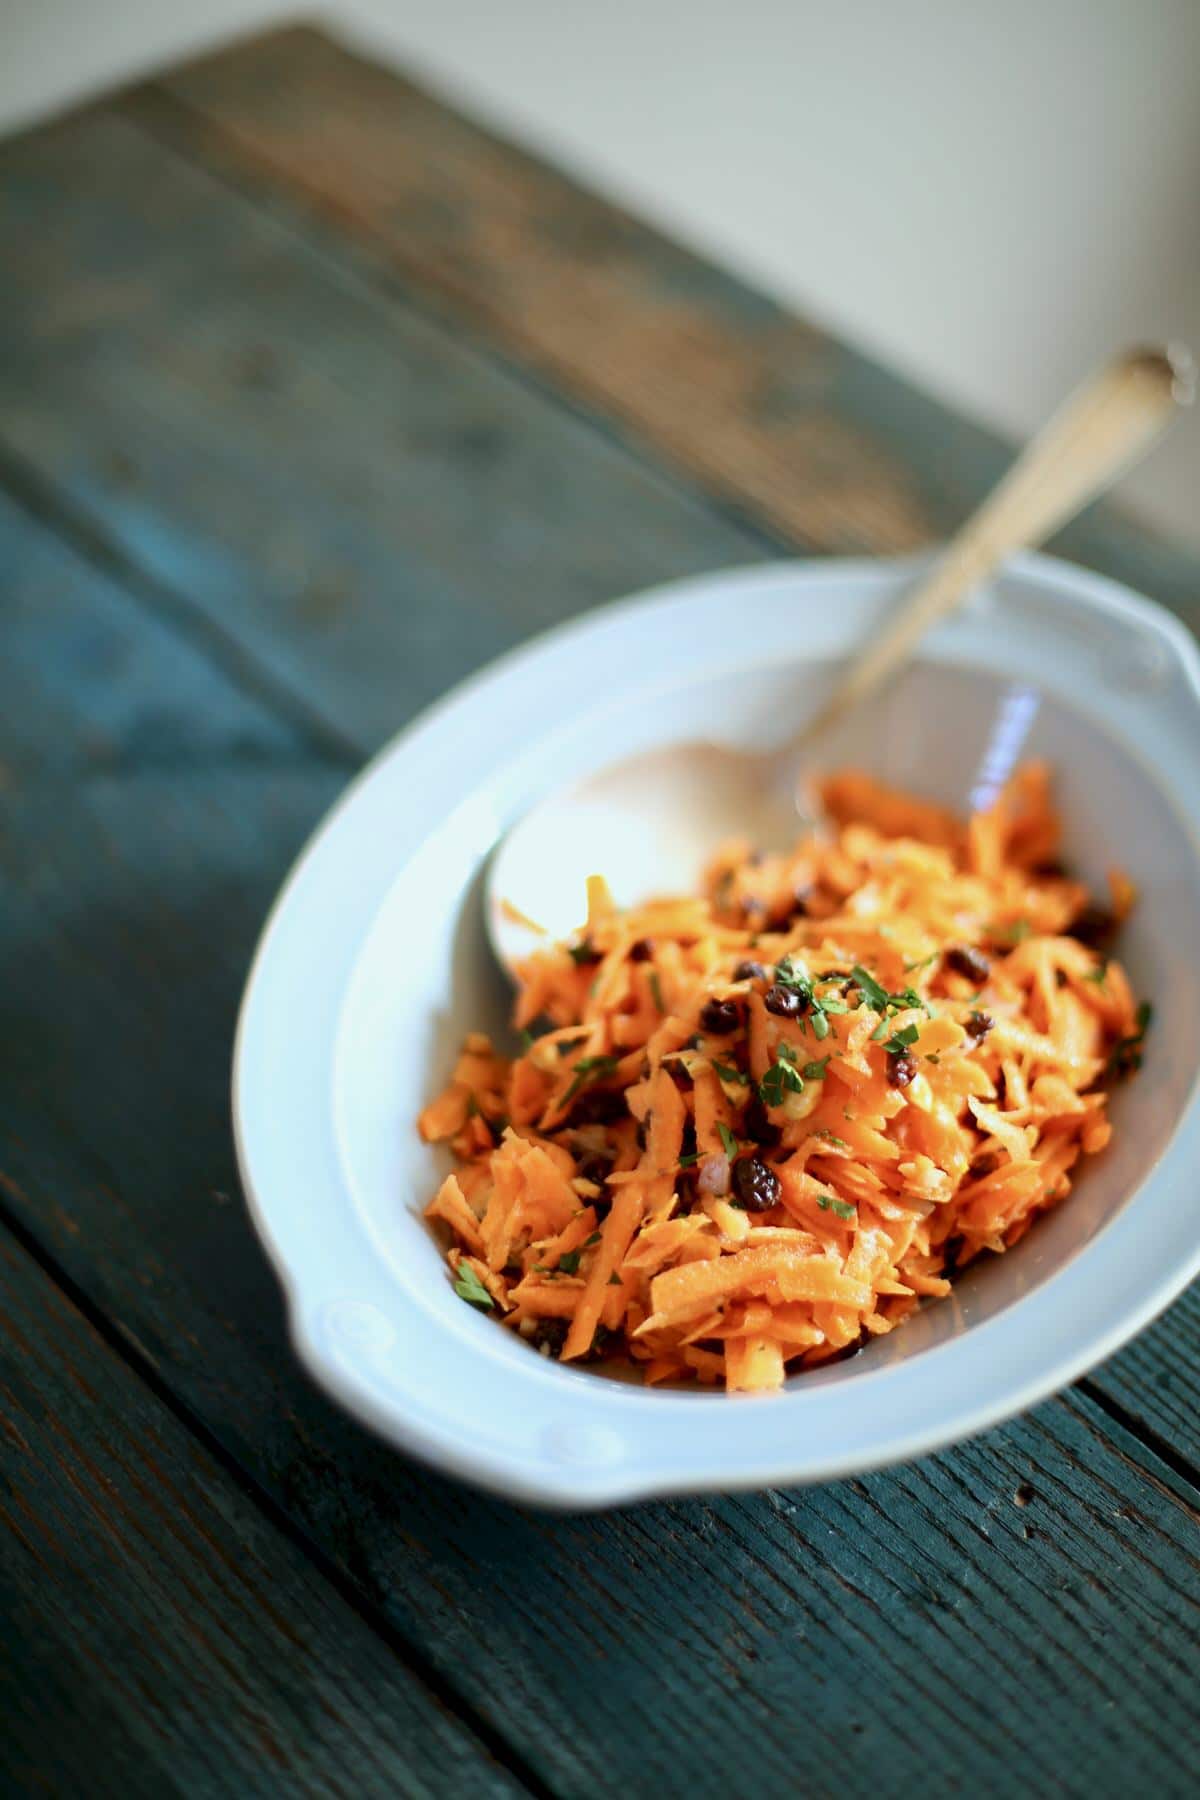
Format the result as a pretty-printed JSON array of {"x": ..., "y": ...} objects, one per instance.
[{"x": 373, "y": 965}]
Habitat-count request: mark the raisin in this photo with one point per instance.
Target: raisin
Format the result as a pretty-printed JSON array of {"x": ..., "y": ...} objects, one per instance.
[
  {"x": 550, "y": 1332},
  {"x": 978, "y": 1025},
  {"x": 642, "y": 951},
  {"x": 720, "y": 1017},
  {"x": 784, "y": 1002},
  {"x": 756, "y": 1123},
  {"x": 1094, "y": 926},
  {"x": 749, "y": 971},
  {"x": 901, "y": 1067},
  {"x": 964, "y": 959},
  {"x": 755, "y": 1185},
  {"x": 596, "y": 1168}
]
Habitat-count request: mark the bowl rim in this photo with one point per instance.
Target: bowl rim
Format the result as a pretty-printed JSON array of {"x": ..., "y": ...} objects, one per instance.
[{"x": 346, "y": 1362}]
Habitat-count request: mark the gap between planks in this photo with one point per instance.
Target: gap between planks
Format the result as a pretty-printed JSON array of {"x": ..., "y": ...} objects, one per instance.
[{"x": 406, "y": 1652}]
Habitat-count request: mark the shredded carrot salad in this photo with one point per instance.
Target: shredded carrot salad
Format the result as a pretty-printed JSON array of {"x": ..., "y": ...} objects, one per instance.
[{"x": 750, "y": 1130}]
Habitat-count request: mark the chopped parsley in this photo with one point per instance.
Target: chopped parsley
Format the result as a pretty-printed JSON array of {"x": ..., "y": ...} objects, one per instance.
[
  {"x": 725, "y": 1073},
  {"x": 899, "y": 1041},
  {"x": 587, "y": 1070},
  {"x": 875, "y": 996},
  {"x": 568, "y": 1262},
  {"x": 831, "y": 1137},
  {"x": 689, "y": 1161},
  {"x": 1126, "y": 1054},
  {"x": 1012, "y": 931},
  {"x": 880, "y": 1001},
  {"x": 911, "y": 968},
  {"x": 526, "y": 1040},
  {"x": 656, "y": 990},
  {"x": 594, "y": 1239},
  {"x": 1099, "y": 974},
  {"x": 815, "y": 1071},
  {"x": 614, "y": 1279},
  {"x": 468, "y": 1287},
  {"x": 842, "y": 1208},
  {"x": 781, "y": 1079},
  {"x": 818, "y": 1006},
  {"x": 727, "y": 1138}
]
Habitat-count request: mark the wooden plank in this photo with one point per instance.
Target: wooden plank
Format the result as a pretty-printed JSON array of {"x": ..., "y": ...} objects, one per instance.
[
  {"x": 160, "y": 1634},
  {"x": 1037, "y": 1585},
  {"x": 1155, "y": 1382},
  {"x": 823, "y": 446},
  {"x": 364, "y": 504}
]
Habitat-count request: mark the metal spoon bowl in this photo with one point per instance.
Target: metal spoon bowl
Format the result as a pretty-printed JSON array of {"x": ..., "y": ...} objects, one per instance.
[{"x": 650, "y": 822}]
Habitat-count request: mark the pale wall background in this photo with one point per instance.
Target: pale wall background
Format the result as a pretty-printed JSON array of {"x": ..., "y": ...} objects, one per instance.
[{"x": 988, "y": 194}]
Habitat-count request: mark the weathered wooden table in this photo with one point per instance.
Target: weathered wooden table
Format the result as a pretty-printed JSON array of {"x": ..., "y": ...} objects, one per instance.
[{"x": 314, "y": 397}]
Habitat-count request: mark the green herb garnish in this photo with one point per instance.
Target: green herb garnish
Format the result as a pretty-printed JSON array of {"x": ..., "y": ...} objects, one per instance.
[
  {"x": 880, "y": 1001},
  {"x": 842, "y": 1208},
  {"x": 1126, "y": 1054},
  {"x": 526, "y": 1040},
  {"x": 468, "y": 1287},
  {"x": 815, "y": 1071},
  {"x": 725, "y": 1073},
  {"x": 614, "y": 1279},
  {"x": 1013, "y": 931},
  {"x": 875, "y": 996},
  {"x": 689, "y": 1161},
  {"x": 587, "y": 1070},
  {"x": 1099, "y": 974},
  {"x": 789, "y": 976},
  {"x": 780, "y": 1080},
  {"x": 594, "y": 1239},
  {"x": 727, "y": 1138},
  {"x": 656, "y": 990},
  {"x": 568, "y": 1262},
  {"x": 831, "y": 1137},
  {"x": 911, "y": 968},
  {"x": 899, "y": 1041}
]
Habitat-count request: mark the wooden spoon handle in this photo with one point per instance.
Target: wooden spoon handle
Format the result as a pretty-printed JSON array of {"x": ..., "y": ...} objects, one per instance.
[{"x": 1099, "y": 433}]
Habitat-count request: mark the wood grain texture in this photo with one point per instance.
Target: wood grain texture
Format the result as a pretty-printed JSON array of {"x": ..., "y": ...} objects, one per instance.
[
  {"x": 358, "y": 499},
  {"x": 1038, "y": 1584},
  {"x": 160, "y": 1635},
  {"x": 821, "y": 445}
]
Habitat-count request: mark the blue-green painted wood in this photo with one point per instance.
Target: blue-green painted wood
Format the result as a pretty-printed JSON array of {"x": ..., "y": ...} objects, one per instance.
[
  {"x": 807, "y": 1642},
  {"x": 361, "y": 501},
  {"x": 160, "y": 1634}
]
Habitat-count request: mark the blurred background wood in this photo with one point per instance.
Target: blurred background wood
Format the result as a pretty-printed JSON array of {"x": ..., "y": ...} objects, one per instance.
[{"x": 990, "y": 199}]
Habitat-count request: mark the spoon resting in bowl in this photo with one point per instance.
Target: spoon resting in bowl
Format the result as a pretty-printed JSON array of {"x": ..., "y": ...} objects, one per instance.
[{"x": 652, "y": 821}]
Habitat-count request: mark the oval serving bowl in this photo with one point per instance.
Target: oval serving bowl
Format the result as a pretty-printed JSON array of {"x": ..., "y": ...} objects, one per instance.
[{"x": 374, "y": 964}]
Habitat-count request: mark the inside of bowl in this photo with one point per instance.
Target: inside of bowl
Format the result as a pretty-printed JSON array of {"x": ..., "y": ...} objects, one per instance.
[{"x": 425, "y": 976}]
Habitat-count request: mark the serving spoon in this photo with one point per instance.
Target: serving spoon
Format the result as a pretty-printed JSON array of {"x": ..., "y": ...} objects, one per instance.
[{"x": 651, "y": 821}]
